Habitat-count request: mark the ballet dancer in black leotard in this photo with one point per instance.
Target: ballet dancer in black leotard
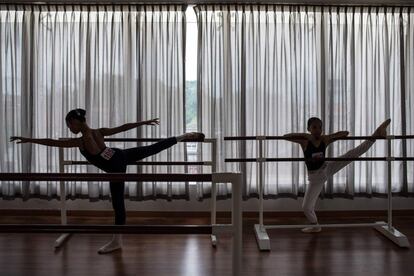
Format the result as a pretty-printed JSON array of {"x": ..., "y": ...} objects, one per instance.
[
  {"x": 92, "y": 146},
  {"x": 314, "y": 146}
]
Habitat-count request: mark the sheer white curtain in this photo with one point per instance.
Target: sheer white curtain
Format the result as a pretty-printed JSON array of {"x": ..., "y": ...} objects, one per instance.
[
  {"x": 408, "y": 92},
  {"x": 264, "y": 70},
  {"x": 121, "y": 63}
]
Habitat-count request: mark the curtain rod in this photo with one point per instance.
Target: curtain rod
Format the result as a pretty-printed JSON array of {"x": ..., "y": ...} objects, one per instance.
[{"x": 355, "y": 3}]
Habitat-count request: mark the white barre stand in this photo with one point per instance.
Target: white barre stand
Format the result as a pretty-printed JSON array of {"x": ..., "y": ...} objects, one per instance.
[{"x": 63, "y": 208}]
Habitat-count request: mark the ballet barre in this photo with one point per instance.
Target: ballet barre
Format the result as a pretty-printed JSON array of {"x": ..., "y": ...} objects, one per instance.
[
  {"x": 385, "y": 228},
  {"x": 235, "y": 228},
  {"x": 212, "y": 163}
]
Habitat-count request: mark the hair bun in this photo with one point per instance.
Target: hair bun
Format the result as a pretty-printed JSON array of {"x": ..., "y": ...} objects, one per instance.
[
  {"x": 78, "y": 114},
  {"x": 81, "y": 112}
]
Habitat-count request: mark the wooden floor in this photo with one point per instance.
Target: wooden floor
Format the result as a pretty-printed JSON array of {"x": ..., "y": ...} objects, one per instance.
[{"x": 344, "y": 251}]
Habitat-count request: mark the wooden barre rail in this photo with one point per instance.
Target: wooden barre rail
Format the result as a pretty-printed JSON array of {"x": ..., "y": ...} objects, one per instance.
[
  {"x": 245, "y": 138},
  {"x": 206, "y": 140},
  {"x": 149, "y": 163},
  {"x": 104, "y": 229},
  {"x": 133, "y": 139},
  {"x": 104, "y": 177},
  {"x": 321, "y": 159}
]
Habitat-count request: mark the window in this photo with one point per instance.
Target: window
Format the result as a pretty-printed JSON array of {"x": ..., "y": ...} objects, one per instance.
[{"x": 191, "y": 84}]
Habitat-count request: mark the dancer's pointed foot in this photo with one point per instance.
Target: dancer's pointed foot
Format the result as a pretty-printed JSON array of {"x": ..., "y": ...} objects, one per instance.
[
  {"x": 381, "y": 131},
  {"x": 113, "y": 245},
  {"x": 312, "y": 229},
  {"x": 191, "y": 137}
]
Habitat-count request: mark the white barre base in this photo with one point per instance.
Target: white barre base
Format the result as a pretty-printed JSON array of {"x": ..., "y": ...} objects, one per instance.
[
  {"x": 214, "y": 240},
  {"x": 332, "y": 225},
  {"x": 263, "y": 241},
  {"x": 394, "y": 235}
]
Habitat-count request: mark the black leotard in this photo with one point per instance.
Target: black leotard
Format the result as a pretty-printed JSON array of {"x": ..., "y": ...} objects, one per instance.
[
  {"x": 108, "y": 160},
  {"x": 312, "y": 152}
]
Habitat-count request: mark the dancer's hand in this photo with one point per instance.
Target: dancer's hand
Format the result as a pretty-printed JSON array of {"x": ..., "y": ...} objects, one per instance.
[
  {"x": 19, "y": 139},
  {"x": 153, "y": 122},
  {"x": 330, "y": 138}
]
